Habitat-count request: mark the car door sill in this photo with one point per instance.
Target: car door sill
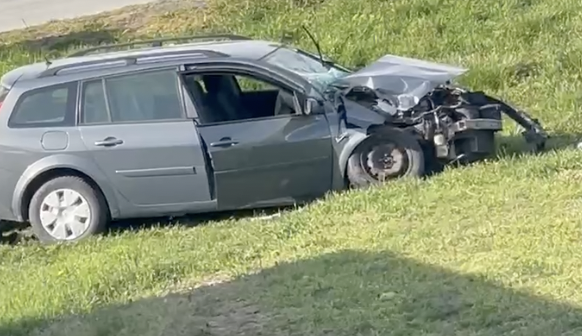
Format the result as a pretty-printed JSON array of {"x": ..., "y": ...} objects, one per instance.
[{"x": 144, "y": 211}]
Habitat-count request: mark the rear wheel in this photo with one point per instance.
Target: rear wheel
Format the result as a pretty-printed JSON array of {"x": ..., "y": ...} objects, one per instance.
[
  {"x": 387, "y": 155},
  {"x": 67, "y": 209}
]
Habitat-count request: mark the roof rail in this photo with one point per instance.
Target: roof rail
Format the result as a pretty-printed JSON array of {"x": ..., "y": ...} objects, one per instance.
[
  {"x": 159, "y": 42},
  {"x": 128, "y": 60}
]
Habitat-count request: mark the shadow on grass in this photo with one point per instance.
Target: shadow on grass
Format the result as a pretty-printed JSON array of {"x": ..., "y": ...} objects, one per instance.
[
  {"x": 13, "y": 233},
  {"x": 58, "y": 45},
  {"x": 515, "y": 145},
  {"x": 63, "y": 43},
  {"x": 345, "y": 293},
  {"x": 199, "y": 219},
  {"x": 508, "y": 146}
]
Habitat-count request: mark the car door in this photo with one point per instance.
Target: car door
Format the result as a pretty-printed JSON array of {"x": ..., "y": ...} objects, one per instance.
[
  {"x": 136, "y": 130},
  {"x": 272, "y": 160}
]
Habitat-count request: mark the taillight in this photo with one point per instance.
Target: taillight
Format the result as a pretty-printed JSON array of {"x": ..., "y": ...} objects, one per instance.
[{"x": 3, "y": 93}]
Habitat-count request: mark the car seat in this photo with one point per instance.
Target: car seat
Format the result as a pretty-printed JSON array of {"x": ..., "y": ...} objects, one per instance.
[
  {"x": 206, "y": 112},
  {"x": 222, "y": 95}
]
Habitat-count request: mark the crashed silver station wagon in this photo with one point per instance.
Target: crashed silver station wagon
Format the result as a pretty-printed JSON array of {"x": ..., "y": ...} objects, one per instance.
[{"x": 200, "y": 124}]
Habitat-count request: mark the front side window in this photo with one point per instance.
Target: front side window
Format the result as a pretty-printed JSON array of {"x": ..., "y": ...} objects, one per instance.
[
  {"x": 228, "y": 97},
  {"x": 248, "y": 84},
  {"x": 137, "y": 97},
  {"x": 45, "y": 107}
]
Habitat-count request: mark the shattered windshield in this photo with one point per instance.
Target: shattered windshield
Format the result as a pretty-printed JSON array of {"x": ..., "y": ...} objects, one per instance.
[{"x": 307, "y": 66}]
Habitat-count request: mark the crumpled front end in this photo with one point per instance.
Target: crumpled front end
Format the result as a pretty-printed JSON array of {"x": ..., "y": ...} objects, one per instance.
[
  {"x": 403, "y": 81},
  {"x": 455, "y": 124}
]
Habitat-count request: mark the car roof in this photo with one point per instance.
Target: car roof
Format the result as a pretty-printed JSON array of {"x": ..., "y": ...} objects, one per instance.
[{"x": 245, "y": 48}]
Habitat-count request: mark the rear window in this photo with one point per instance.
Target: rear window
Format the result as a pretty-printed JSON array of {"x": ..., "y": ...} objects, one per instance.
[{"x": 45, "y": 107}]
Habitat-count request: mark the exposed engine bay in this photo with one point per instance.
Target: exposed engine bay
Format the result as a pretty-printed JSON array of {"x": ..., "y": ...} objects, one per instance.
[{"x": 452, "y": 124}]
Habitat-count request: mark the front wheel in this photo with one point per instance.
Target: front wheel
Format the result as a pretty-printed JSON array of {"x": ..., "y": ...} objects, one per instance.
[{"x": 391, "y": 154}]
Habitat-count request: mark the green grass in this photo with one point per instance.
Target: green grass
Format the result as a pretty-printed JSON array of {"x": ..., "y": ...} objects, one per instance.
[{"x": 485, "y": 250}]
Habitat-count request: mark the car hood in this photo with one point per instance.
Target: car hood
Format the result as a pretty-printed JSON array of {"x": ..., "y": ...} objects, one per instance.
[{"x": 406, "y": 80}]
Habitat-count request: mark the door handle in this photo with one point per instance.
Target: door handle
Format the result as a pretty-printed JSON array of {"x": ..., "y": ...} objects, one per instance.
[
  {"x": 224, "y": 142},
  {"x": 109, "y": 142}
]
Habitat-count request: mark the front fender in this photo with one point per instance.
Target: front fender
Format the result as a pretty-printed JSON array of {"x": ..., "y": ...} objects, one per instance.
[
  {"x": 352, "y": 137},
  {"x": 83, "y": 165}
]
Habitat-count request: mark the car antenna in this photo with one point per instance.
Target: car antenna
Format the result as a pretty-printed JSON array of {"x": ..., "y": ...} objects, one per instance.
[
  {"x": 46, "y": 60},
  {"x": 315, "y": 43}
]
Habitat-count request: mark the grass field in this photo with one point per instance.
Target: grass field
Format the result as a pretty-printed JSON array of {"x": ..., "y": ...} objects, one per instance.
[{"x": 492, "y": 249}]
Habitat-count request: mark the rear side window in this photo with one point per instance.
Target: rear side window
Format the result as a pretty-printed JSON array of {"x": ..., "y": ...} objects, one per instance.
[
  {"x": 50, "y": 106},
  {"x": 141, "y": 97},
  {"x": 95, "y": 110}
]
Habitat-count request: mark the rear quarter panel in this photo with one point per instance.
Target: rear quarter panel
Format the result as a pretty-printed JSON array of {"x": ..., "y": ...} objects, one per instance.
[
  {"x": 23, "y": 157},
  {"x": 79, "y": 162}
]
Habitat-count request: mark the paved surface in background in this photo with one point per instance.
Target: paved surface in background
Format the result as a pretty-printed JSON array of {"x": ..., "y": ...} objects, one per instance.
[{"x": 35, "y": 12}]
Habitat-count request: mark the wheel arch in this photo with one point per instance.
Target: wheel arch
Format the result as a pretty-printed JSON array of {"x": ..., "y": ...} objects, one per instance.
[
  {"x": 357, "y": 136},
  {"x": 52, "y": 167}
]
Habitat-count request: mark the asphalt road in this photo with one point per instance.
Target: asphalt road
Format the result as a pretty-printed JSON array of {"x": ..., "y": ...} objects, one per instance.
[{"x": 34, "y": 12}]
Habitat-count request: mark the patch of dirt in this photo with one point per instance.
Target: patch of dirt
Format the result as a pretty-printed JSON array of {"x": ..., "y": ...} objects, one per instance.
[
  {"x": 211, "y": 310},
  {"x": 234, "y": 318},
  {"x": 212, "y": 315}
]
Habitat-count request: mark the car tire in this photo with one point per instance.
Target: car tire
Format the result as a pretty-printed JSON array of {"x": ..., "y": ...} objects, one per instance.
[
  {"x": 412, "y": 161},
  {"x": 85, "y": 216}
]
